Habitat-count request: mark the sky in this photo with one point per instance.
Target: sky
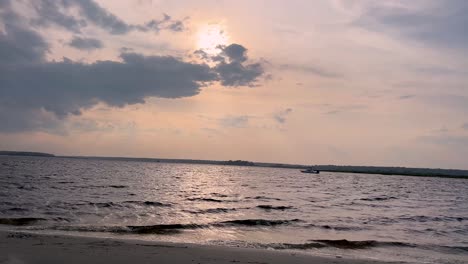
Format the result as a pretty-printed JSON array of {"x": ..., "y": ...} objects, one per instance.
[{"x": 346, "y": 82}]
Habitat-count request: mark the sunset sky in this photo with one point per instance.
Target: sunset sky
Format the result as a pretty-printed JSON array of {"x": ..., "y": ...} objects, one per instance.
[{"x": 347, "y": 82}]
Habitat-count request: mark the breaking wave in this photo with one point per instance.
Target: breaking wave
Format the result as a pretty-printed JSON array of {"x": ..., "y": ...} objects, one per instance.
[{"x": 20, "y": 221}]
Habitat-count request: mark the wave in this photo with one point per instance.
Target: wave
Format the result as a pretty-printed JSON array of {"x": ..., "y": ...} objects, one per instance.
[
  {"x": 219, "y": 195},
  {"x": 20, "y": 221},
  {"x": 362, "y": 244},
  {"x": 120, "y": 204},
  {"x": 458, "y": 248},
  {"x": 338, "y": 228},
  {"x": 256, "y": 222},
  {"x": 205, "y": 200},
  {"x": 148, "y": 203},
  {"x": 171, "y": 229},
  {"x": 379, "y": 198},
  {"x": 342, "y": 244},
  {"x": 104, "y": 204},
  {"x": 17, "y": 209},
  {"x": 423, "y": 218},
  {"x": 144, "y": 229},
  {"x": 263, "y": 198},
  {"x": 211, "y": 200},
  {"x": 272, "y": 207},
  {"x": 302, "y": 246},
  {"x": 163, "y": 229},
  {"x": 118, "y": 186},
  {"x": 212, "y": 211}
]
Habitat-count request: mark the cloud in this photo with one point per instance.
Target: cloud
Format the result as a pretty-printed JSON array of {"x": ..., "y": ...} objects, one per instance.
[
  {"x": 19, "y": 45},
  {"x": 39, "y": 94},
  {"x": 237, "y": 74},
  {"x": 281, "y": 116},
  {"x": 235, "y": 53},
  {"x": 85, "y": 43},
  {"x": 51, "y": 12},
  {"x": 232, "y": 65},
  {"x": 67, "y": 86},
  {"x": 309, "y": 70},
  {"x": 15, "y": 118},
  {"x": 35, "y": 93},
  {"x": 60, "y": 13},
  {"x": 441, "y": 23},
  {"x": 235, "y": 121},
  {"x": 465, "y": 126},
  {"x": 99, "y": 16}
]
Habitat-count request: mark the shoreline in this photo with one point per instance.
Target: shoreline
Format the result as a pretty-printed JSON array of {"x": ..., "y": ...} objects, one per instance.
[
  {"x": 354, "y": 169},
  {"x": 20, "y": 247}
]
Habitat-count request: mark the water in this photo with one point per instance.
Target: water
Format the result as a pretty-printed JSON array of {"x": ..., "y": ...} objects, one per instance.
[{"x": 397, "y": 218}]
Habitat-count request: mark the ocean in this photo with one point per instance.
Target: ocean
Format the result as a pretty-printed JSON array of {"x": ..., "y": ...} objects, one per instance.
[{"x": 392, "y": 218}]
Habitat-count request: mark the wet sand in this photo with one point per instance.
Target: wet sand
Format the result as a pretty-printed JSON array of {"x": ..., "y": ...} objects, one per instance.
[{"x": 24, "y": 248}]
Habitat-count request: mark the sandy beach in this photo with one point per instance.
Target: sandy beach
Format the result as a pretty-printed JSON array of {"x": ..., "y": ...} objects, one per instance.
[{"x": 26, "y": 248}]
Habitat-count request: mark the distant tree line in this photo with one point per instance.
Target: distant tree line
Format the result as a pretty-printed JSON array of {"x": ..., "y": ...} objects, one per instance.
[
  {"x": 25, "y": 153},
  {"x": 238, "y": 163}
]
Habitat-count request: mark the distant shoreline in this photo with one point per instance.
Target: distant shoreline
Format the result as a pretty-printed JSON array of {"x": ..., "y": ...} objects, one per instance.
[
  {"x": 25, "y": 153},
  {"x": 402, "y": 171}
]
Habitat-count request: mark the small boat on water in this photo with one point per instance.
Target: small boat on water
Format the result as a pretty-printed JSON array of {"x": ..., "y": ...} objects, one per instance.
[{"x": 310, "y": 171}]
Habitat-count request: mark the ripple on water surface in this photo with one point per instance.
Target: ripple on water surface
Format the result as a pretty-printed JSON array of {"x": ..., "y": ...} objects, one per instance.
[{"x": 421, "y": 219}]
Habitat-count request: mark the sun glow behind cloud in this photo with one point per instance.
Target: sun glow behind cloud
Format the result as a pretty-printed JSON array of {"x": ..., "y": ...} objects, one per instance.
[{"x": 210, "y": 36}]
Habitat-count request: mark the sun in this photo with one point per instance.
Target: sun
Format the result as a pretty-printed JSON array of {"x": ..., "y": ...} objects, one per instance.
[{"x": 211, "y": 36}]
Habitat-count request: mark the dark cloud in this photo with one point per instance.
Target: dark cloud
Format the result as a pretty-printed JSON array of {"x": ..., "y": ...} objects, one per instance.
[
  {"x": 281, "y": 116},
  {"x": 85, "y": 43},
  {"x": 51, "y": 12},
  {"x": 443, "y": 24},
  {"x": 4, "y": 3},
  {"x": 99, "y": 16},
  {"x": 18, "y": 45},
  {"x": 235, "y": 53},
  {"x": 59, "y": 13},
  {"x": 165, "y": 23},
  {"x": 16, "y": 118},
  {"x": 237, "y": 74},
  {"x": 232, "y": 69},
  {"x": 36, "y": 94},
  {"x": 176, "y": 26},
  {"x": 309, "y": 70},
  {"x": 232, "y": 65},
  {"x": 30, "y": 85},
  {"x": 202, "y": 55},
  {"x": 66, "y": 87}
]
